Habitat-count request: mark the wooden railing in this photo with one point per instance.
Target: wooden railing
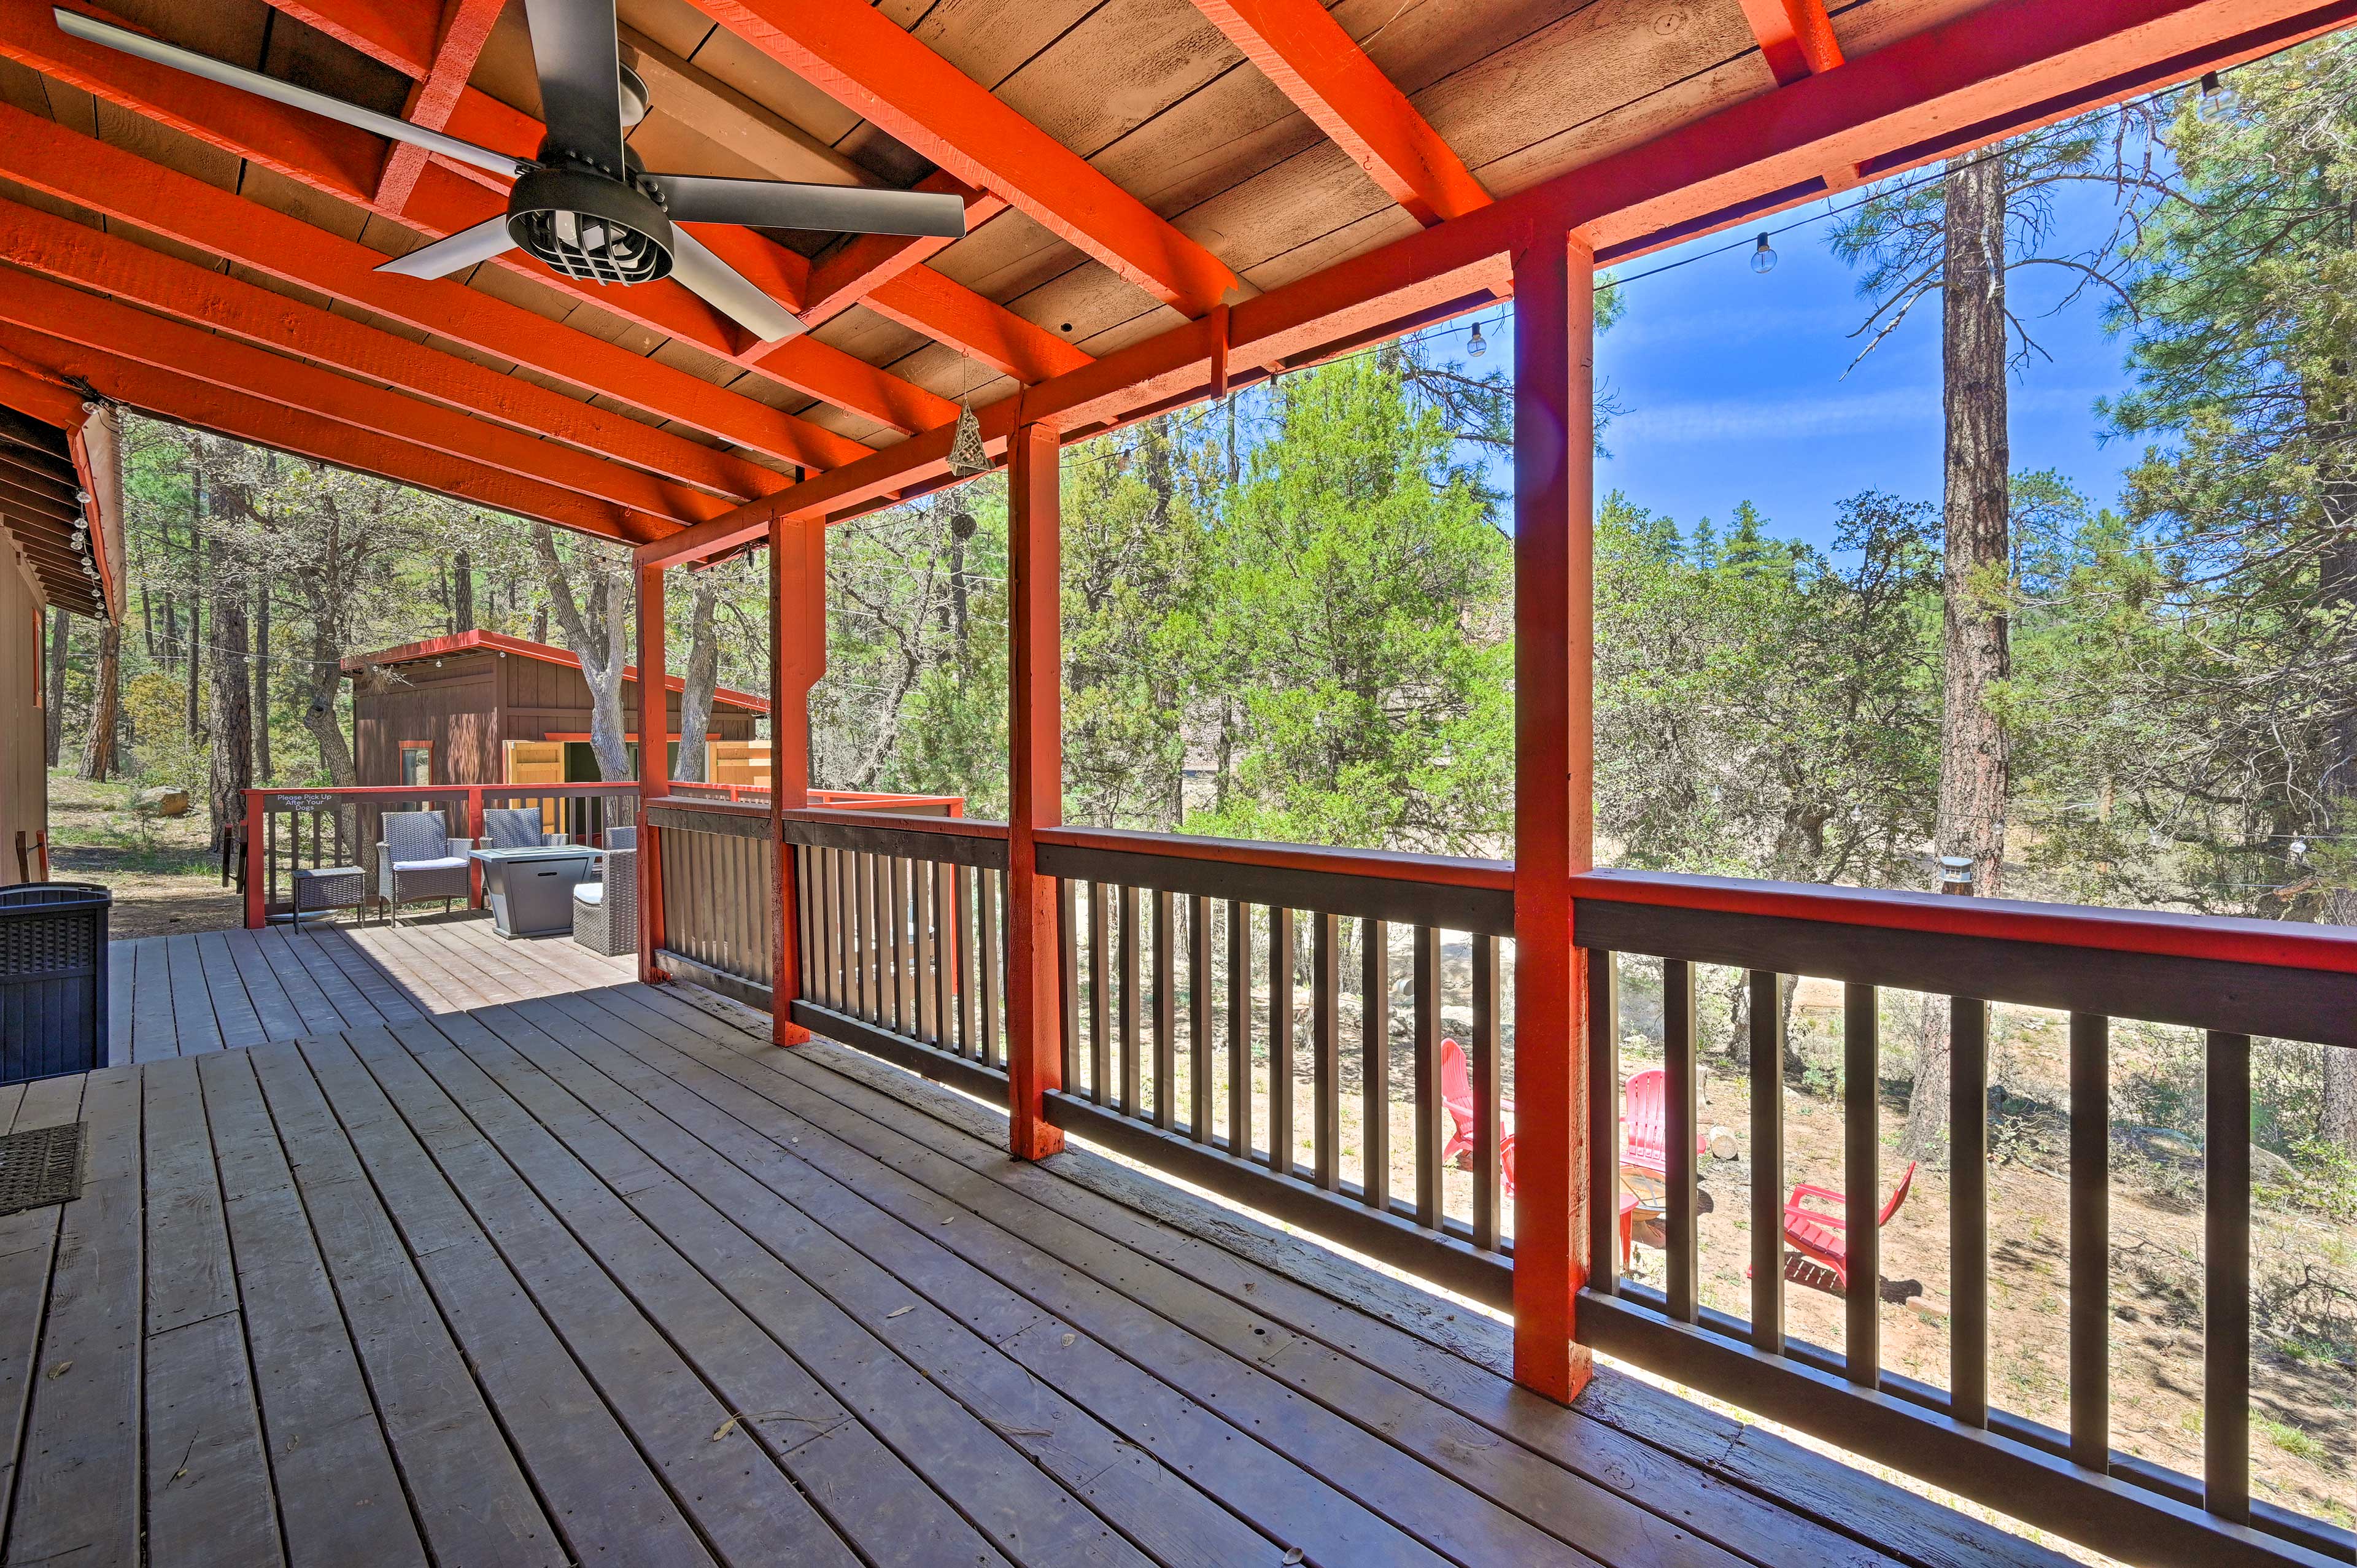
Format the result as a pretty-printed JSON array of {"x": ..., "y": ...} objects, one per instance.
[
  {"x": 285, "y": 830},
  {"x": 2232, "y": 979},
  {"x": 719, "y": 876}
]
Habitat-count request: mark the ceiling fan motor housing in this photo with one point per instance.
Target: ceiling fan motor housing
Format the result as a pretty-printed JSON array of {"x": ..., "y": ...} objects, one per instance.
[{"x": 587, "y": 224}]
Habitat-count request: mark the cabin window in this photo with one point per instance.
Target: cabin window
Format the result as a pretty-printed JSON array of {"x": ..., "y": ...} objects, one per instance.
[{"x": 417, "y": 762}]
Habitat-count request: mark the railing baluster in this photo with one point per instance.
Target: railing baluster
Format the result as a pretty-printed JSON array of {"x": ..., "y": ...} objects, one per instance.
[
  {"x": 806, "y": 917},
  {"x": 1098, "y": 962},
  {"x": 1486, "y": 1062},
  {"x": 961, "y": 894},
  {"x": 2226, "y": 1281},
  {"x": 921, "y": 910},
  {"x": 1429, "y": 1111},
  {"x": 1766, "y": 1162},
  {"x": 1862, "y": 1182},
  {"x": 1678, "y": 1132},
  {"x": 1240, "y": 1096},
  {"x": 1131, "y": 1078},
  {"x": 1603, "y": 1118},
  {"x": 1068, "y": 978},
  {"x": 2090, "y": 1240},
  {"x": 1198, "y": 1018},
  {"x": 904, "y": 968},
  {"x": 862, "y": 894},
  {"x": 989, "y": 892},
  {"x": 946, "y": 947},
  {"x": 1375, "y": 1064},
  {"x": 1166, "y": 1010},
  {"x": 1968, "y": 1026},
  {"x": 1326, "y": 1051},
  {"x": 1280, "y": 1040},
  {"x": 838, "y": 935}
]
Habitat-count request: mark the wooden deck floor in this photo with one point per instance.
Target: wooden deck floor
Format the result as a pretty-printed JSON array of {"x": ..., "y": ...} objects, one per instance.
[{"x": 584, "y": 1274}]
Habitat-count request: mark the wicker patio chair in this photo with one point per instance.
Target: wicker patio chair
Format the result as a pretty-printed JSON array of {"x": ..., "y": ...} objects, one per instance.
[
  {"x": 517, "y": 827},
  {"x": 417, "y": 860},
  {"x": 606, "y": 912}
]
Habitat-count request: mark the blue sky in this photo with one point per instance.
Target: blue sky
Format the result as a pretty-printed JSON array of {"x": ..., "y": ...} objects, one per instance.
[{"x": 1734, "y": 385}]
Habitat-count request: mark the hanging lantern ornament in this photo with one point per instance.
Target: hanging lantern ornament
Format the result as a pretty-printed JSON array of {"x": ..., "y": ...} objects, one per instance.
[
  {"x": 1477, "y": 345},
  {"x": 966, "y": 456},
  {"x": 1763, "y": 259}
]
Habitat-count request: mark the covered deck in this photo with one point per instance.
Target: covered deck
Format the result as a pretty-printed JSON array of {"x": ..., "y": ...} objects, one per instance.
[{"x": 418, "y": 1246}]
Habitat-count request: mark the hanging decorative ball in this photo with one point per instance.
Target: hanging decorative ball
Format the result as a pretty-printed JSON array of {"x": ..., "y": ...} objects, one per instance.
[
  {"x": 962, "y": 526},
  {"x": 1763, "y": 260},
  {"x": 966, "y": 457}
]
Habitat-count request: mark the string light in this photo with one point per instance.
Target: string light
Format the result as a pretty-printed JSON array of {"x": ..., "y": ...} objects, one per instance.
[
  {"x": 1476, "y": 346},
  {"x": 1763, "y": 258}
]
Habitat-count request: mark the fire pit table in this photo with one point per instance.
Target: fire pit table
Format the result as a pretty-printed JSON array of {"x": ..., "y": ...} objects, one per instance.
[{"x": 530, "y": 890}]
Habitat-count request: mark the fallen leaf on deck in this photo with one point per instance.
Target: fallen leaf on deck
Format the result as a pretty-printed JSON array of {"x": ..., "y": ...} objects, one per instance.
[
  {"x": 62, "y": 1369},
  {"x": 898, "y": 1310}
]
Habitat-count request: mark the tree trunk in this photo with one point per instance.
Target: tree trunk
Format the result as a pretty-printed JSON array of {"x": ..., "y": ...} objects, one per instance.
[
  {"x": 61, "y": 645},
  {"x": 262, "y": 769},
  {"x": 1973, "y": 760},
  {"x": 462, "y": 593},
  {"x": 600, "y": 636},
  {"x": 2337, "y": 590},
  {"x": 232, "y": 717},
  {"x": 319, "y": 712},
  {"x": 106, "y": 704},
  {"x": 702, "y": 675},
  {"x": 195, "y": 597}
]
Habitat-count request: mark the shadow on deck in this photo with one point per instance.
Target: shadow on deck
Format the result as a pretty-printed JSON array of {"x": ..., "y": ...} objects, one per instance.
[{"x": 495, "y": 1256}]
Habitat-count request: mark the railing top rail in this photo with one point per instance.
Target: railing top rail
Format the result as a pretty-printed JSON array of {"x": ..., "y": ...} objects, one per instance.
[
  {"x": 2280, "y": 944},
  {"x": 714, "y": 804},
  {"x": 1439, "y": 870},
  {"x": 892, "y": 821},
  {"x": 411, "y": 791}
]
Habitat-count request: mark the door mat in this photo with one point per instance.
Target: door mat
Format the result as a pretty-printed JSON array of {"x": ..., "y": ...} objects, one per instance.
[{"x": 39, "y": 1167}]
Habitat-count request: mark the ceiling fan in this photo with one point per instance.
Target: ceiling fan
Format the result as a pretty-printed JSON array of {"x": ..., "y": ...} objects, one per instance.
[{"x": 585, "y": 205}]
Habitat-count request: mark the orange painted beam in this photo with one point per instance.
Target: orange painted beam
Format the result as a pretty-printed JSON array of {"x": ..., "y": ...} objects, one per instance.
[
  {"x": 2009, "y": 67},
  {"x": 1035, "y": 779},
  {"x": 42, "y": 399},
  {"x": 187, "y": 401},
  {"x": 551, "y": 425},
  {"x": 398, "y": 33},
  {"x": 859, "y": 56},
  {"x": 1796, "y": 37},
  {"x": 924, "y": 301},
  {"x": 654, "y": 767},
  {"x": 465, "y": 28},
  {"x": 1302, "y": 49},
  {"x": 556, "y": 482},
  {"x": 848, "y": 381},
  {"x": 49, "y": 157},
  {"x": 849, "y": 272}
]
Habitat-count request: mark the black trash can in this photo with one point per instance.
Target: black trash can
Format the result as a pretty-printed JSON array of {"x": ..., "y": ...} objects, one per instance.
[{"x": 52, "y": 979}]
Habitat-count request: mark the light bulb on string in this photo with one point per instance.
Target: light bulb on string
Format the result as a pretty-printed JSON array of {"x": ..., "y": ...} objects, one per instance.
[
  {"x": 1763, "y": 259},
  {"x": 1476, "y": 346}
]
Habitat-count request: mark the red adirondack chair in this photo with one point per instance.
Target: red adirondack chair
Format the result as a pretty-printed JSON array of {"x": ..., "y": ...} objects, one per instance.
[
  {"x": 1628, "y": 1199},
  {"x": 1644, "y": 1122},
  {"x": 1457, "y": 1093},
  {"x": 1825, "y": 1236}
]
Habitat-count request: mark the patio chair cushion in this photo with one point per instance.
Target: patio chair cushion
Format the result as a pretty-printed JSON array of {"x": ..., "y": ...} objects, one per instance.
[
  {"x": 415, "y": 836},
  {"x": 621, "y": 838},
  {"x": 438, "y": 863},
  {"x": 512, "y": 827},
  {"x": 590, "y": 893}
]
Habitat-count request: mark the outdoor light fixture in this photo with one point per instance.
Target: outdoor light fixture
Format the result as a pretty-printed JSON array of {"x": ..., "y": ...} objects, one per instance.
[
  {"x": 1763, "y": 260},
  {"x": 1477, "y": 345}
]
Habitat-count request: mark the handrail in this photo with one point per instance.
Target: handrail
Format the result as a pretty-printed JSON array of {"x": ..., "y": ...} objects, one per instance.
[
  {"x": 2281, "y": 944},
  {"x": 892, "y": 821},
  {"x": 679, "y": 803},
  {"x": 1389, "y": 865}
]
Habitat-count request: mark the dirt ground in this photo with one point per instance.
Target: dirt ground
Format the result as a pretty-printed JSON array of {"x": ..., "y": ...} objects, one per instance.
[{"x": 160, "y": 870}]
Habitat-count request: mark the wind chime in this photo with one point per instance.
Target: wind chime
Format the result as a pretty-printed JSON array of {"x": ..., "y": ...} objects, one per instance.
[{"x": 966, "y": 457}]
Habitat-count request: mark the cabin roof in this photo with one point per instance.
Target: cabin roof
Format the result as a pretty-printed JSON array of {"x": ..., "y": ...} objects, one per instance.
[
  {"x": 524, "y": 647},
  {"x": 61, "y": 501}
]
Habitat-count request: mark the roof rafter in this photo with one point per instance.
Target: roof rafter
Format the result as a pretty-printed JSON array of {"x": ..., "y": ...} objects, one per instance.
[
  {"x": 857, "y": 55},
  {"x": 577, "y": 455},
  {"x": 466, "y": 27},
  {"x": 2009, "y": 67},
  {"x": 1796, "y": 37},
  {"x": 1304, "y": 51},
  {"x": 168, "y": 394},
  {"x": 558, "y": 482},
  {"x": 846, "y": 274},
  {"x": 924, "y": 301}
]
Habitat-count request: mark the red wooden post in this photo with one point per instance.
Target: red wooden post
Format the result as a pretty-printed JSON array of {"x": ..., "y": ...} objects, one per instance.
[
  {"x": 1554, "y": 776},
  {"x": 654, "y": 765},
  {"x": 1036, "y": 784},
  {"x": 796, "y": 661},
  {"x": 257, "y": 862},
  {"x": 475, "y": 832}
]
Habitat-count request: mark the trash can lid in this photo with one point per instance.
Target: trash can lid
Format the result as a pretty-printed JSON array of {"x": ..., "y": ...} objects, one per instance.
[{"x": 55, "y": 895}]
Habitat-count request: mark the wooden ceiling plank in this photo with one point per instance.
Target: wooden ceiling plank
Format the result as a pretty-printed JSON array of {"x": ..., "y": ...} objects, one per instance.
[
  {"x": 70, "y": 316},
  {"x": 393, "y": 32},
  {"x": 1796, "y": 37},
  {"x": 49, "y": 157},
  {"x": 952, "y": 314},
  {"x": 168, "y": 394},
  {"x": 466, "y": 27},
  {"x": 866, "y": 62},
  {"x": 515, "y": 410},
  {"x": 2001, "y": 70},
  {"x": 1300, "y": 46}
]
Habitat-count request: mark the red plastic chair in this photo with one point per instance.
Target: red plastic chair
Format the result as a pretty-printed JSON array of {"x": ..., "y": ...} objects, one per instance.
[
  {"x": 1645, "y": 1121},
  {"x": 1627, "y": 1200},
  {"x": 1825, "y": 1236}
]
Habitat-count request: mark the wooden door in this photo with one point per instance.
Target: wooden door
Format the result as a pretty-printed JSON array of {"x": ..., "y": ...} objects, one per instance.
[{"x": 537, "y": 762}]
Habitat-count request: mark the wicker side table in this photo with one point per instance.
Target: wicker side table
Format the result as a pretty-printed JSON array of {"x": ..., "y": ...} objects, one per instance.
[{"x": 327, "y": 889}]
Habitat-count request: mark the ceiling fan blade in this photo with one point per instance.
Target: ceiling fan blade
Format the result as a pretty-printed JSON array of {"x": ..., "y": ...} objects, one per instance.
[
  {"x": 828, "y": 209},
  {"x": 91, "y": 31},
  {"x": 454, "y": 252},
  {"x": 574, "y": 45},
  {"x": 728, "y": 290}
]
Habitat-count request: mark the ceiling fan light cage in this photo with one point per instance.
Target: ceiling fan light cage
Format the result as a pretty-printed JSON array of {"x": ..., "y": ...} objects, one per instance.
[{"x": 590, "y": 227}]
